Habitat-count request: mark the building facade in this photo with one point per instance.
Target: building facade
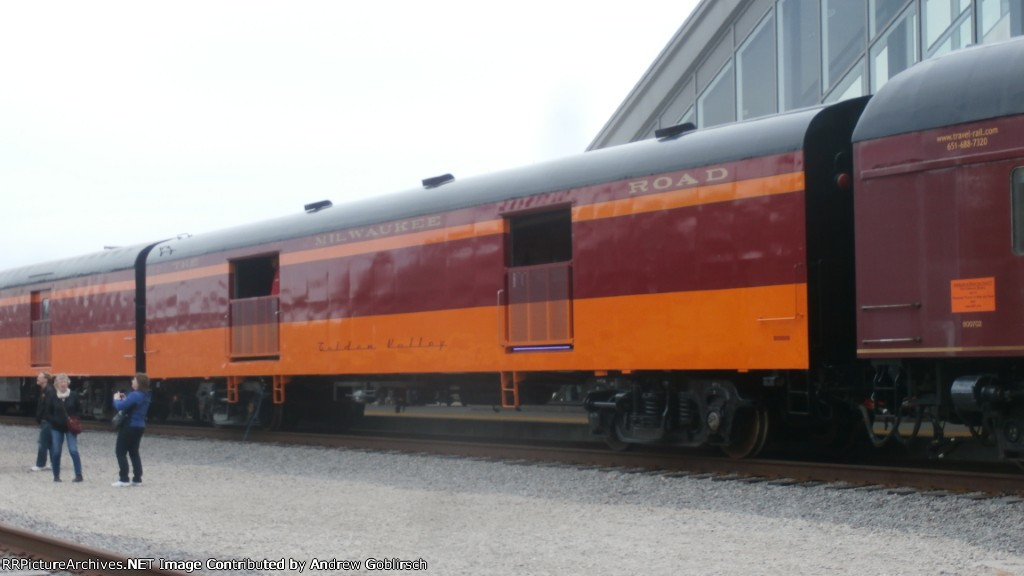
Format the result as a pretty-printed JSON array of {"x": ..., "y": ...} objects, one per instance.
[{"x": 735, "y": 60}]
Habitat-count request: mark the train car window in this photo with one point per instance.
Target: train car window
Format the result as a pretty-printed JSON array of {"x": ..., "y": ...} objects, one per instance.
[
  {"x": 254, "y": 277},
  {"x": 540, "y": 238},
  {"x": 39, "y": 349},
  {"x": 1017, "y": 211},
  {"x": 40, "y": 305}
]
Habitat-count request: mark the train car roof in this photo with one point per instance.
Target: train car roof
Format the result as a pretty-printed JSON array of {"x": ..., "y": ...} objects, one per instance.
[
  {"x": 766, "y": 136},
  {"x": 105, "y": 262},
  {"x": 968, "y": 85}
]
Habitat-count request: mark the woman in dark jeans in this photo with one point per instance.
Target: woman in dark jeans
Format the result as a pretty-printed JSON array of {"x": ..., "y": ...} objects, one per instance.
[
  {"x": 129, "y": 436},
  {"x": 61, "y": 405}
]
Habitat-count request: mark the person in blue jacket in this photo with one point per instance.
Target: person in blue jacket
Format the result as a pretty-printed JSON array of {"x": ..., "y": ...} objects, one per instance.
[{"x": 130, "y": 434}]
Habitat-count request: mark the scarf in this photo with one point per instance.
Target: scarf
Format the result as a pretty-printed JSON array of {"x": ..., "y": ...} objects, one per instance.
[{"x": 63, "y": 395}]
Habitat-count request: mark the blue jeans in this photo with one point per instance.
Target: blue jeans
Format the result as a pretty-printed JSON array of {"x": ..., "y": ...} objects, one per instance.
[
  {"x": 58, "y": 446},
  {"x": 45, "y": 443}
]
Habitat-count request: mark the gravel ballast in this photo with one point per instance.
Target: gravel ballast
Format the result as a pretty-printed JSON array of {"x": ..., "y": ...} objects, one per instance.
[{"x": 245, "y": 503}]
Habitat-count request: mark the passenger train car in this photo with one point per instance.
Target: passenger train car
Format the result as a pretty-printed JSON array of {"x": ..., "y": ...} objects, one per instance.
[{"x": 827, "y": 272}]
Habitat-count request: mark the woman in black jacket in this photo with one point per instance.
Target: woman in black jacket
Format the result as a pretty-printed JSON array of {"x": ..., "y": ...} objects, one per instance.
[{"x": 61, "y": 405}]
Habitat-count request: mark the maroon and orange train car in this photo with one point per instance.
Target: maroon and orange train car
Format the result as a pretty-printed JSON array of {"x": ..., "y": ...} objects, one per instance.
[
  {"x": 940, "y": 242},
  {"x": 687, "y": 253}
]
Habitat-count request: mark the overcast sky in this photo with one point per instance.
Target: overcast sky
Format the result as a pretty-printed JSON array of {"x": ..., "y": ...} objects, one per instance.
[{"x": 123, "y": 122}]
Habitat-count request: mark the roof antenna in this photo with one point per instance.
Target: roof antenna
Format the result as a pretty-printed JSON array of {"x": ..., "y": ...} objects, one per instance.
[
  {"x": 437, "y": 181},
  {"x": 318, "y": 206},
  {"x": 674, "y": 130}
]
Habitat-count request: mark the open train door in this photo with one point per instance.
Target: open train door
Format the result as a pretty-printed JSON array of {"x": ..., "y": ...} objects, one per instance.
[{"x": 537, "y": 306}]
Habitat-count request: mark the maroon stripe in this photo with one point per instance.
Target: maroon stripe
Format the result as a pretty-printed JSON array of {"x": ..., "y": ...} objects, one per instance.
[
  {"x": 458, "y": 274},
  {"x": 755, "y": 242},
  {"x": 103, "y": 312}
]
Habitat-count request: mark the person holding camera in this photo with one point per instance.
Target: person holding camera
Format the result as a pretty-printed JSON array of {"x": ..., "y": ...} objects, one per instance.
[{"x": 129, "y": 436}]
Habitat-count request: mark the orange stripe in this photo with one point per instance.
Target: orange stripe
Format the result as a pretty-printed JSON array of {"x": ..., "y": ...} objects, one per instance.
[
  {"x": 14, "y": 358},
  {"x": 220, "y": 269},
  {"x": 686, "y": 197},
  {"x": 15, "y": 300},
  {"x": 78, "y": 291},
  {"x": 738, "y": 329},
  {"x": 92, "y": 354},
  {"x": 125, "y": 286}
]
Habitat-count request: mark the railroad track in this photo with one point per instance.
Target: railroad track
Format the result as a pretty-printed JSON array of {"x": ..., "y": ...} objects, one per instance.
[
  {"x": 26, "y": 552},
  {"x": 988, "y": 481}
]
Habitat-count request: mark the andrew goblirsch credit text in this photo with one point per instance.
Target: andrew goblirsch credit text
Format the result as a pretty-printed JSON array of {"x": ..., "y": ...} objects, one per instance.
[{"x": 280, "y": 564}]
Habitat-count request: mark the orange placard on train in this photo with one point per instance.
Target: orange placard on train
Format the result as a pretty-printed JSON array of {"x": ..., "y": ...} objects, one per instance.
[{"x": 973, "y": 295}]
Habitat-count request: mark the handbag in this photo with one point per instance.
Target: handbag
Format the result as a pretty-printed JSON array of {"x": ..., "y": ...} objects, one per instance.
[{"x": 74, "y": 423}]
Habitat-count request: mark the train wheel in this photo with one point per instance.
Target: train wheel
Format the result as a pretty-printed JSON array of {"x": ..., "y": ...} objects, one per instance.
[
  {"x": 614, "y": 440},
  {"x": 750, "y": 433}
]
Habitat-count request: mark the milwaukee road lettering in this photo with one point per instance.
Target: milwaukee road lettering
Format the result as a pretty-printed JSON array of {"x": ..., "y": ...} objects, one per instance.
[
  {"x": 379, "y": 230},
  {"x": 411, "y": 343},
  {"x": 674, "y": 181}
]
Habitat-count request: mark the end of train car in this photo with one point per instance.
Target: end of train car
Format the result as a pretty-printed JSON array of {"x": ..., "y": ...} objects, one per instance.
[
  {"x": 77, "y": 316},
  {"x": 940, "y": 262}
]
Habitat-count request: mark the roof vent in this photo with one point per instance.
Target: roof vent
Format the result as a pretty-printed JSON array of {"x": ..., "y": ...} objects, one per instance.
[
  {"x": 437, "y": 181},
  {"x": 676, "y": 130},
  {"x": 317, "y": 206}
]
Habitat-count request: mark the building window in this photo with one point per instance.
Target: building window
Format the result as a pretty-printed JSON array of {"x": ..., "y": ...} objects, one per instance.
[
  {"x": 843, "y": 37},
  {"x": 896, "y": 51},
  {"x": 799, "y": 46},
  {"x": 1017, "y": 210},
  {"x": 994, "y": 20},
  {"x": 717, "y": 104},
  {"x": 881, "y": 12},
  {"x": 688, "y": 116},
  {"x": 755, "y": 72},
  {"x": 850, "y": 87},
  {"x": 946, "y": 25}
]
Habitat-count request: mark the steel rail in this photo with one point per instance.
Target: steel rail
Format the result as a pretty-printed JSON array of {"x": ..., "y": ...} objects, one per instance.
[
  {"x": 925, "y": 477},
  {"x": 54, "y": 555}
]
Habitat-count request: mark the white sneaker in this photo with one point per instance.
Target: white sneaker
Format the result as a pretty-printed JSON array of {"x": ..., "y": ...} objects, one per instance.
[
  {"x": 120, "y": 484},
  {"x": 39, "y": 469}
]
